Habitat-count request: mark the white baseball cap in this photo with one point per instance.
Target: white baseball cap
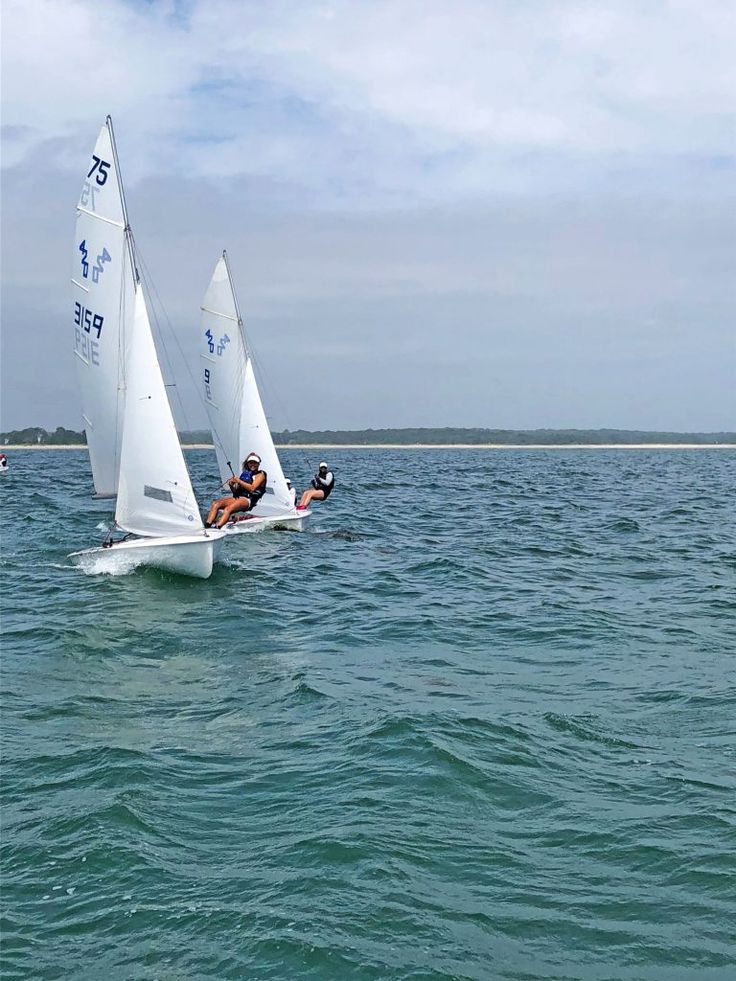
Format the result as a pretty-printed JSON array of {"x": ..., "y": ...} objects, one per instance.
[
  {"x": 323, "y": 464},
  {"x": 253, "y": 456}
]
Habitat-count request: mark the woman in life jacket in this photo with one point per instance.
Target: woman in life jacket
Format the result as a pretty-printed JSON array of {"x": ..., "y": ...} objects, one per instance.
[
  {"x": 322, "y": 484},
  {"x": 246, "y": 491}
]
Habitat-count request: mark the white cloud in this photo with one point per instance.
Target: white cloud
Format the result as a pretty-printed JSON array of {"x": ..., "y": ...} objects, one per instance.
[{"x": 352, "y": 99}]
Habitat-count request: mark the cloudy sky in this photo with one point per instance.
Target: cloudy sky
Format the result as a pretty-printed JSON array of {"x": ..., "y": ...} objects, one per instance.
[{"x": 505, "y": 213}]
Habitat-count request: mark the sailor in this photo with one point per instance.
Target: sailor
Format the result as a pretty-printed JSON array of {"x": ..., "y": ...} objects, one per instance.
[
  {"x": 322, "y": 484},
  {"x": 246, "y": 490},
  {"x": 3, "y": 463}
]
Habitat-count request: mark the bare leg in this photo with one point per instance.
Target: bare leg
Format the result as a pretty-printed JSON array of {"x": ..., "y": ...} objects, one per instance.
[
  {"x": 311, "y": 495},
  {"x": 235, "y": 504},
  {"x": 218, "y": 506}
]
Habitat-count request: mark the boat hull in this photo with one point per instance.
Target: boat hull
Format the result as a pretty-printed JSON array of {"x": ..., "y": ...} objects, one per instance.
[
  {"x": 292, "y": 521},
  {"x": 187, "y": 555}
]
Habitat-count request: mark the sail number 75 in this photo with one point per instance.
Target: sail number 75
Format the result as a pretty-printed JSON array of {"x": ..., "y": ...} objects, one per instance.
[{"x": 102, "y": 167}]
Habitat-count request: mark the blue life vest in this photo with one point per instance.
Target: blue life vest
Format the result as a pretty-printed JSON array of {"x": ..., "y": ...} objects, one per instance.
[{"x": 249, "y": 476}]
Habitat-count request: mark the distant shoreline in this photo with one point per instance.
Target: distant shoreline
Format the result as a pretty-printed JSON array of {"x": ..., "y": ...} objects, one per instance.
[{"x": 423, "y": 446}]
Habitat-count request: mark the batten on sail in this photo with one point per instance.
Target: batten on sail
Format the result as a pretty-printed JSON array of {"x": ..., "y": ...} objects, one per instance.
[
  {"x": 102, "y": 287},
  {"x": 234, "y": 406},
  {"x": 155, "y": 495}
]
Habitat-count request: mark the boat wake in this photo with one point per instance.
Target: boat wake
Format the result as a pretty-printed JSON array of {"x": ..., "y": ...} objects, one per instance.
[{"x": 109, "y": 563}]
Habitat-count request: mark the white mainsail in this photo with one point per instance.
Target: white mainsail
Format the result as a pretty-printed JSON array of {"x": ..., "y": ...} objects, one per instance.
[
  {"x": 155, "y": 495},
  {"x": 103, "y": 285},
  {"x": 234, "y": 406}
]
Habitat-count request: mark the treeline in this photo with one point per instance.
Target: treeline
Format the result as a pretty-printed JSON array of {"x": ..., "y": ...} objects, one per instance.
[
  {"x": 59, "y": 437},
  {"x": 409, "y": 437},
  {"x": 70, "y": 437},
  {"x": 523, "y": 437}
]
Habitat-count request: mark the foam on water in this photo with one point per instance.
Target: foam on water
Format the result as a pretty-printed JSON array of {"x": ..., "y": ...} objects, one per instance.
[{"x": 109, "y": 563}]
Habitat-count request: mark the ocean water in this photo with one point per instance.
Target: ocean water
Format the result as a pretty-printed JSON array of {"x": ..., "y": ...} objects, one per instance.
[{"x": 478, "y": 722}]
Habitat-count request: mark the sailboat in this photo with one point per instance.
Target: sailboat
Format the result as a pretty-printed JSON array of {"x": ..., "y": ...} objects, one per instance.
[
  {"x": 133, "y": 443},
  {"x": 234, "y": 407}
]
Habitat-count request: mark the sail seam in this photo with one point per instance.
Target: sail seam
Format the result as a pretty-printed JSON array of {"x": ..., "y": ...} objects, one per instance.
[
  {"x": 93, "y": 214},
  {"x": 80, "y": 285}
]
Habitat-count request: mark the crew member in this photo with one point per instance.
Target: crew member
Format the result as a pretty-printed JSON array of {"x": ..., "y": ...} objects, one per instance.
[
  {"x": 322, "y": 484},
  {"x": 247, "y": 490}
]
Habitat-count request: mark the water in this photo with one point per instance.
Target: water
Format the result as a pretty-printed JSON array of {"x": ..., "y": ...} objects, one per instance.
[{"x": 486, "y": 729}]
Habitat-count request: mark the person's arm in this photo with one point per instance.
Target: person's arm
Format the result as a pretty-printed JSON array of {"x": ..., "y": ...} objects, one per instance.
[{"x": 252, "y": 485}]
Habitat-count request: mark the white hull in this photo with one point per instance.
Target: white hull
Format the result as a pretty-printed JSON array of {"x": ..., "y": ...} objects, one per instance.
[
  {"x": 291, "y": 521},
  {"x": 188, "y": 555}
]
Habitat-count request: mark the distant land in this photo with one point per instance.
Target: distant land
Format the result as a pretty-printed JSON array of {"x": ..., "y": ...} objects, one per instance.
[{"x": 412, "y": 437}]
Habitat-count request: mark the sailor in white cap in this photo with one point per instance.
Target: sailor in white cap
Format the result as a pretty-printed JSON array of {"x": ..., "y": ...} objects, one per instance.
[
  {"x": 322, "y": 484},
  {"x": 247, "y": 490}
]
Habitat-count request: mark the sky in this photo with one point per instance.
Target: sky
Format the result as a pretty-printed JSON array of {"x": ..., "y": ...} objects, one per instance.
[{"x": 508, "y": 213}]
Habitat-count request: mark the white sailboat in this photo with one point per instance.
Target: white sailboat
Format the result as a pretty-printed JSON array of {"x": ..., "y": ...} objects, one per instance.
[
  {"x": 156, "y": 506},
  {"x": 236, "y": 415}
]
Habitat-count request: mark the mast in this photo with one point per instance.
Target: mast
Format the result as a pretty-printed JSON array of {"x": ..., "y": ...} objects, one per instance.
[
  {"x": 126, "y": 221},
  {"x": 241, "y": 328}
]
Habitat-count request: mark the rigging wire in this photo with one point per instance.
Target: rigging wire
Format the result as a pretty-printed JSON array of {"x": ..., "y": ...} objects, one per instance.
[
  {"x": 273, "y": 397},
  {"x": 153, "y": 292},
  {"x": 150, "y": 286}
]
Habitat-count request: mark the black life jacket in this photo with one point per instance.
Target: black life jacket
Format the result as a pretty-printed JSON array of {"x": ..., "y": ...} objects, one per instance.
[{"x": 325, "y": 486}]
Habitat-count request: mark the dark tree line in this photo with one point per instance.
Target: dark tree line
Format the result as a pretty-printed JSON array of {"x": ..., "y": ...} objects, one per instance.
[{"x": 408, "y": 437}]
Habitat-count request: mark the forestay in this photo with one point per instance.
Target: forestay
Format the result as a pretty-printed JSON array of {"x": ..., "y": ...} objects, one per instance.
[
  {"x": 155, "y": 495},
  {"x": 103, "y": 287},
  {"x": 234, "y": 406}
]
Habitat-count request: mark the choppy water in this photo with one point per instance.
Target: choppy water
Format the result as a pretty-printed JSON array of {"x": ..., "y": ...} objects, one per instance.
[{"x": 484, "y": 732}]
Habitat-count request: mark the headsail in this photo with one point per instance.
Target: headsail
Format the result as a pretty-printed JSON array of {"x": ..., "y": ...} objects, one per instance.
[
  {"x": 234, "y": 406},
  {"x": 103, "y": 286},
  {"x": 155, "y": 495}
]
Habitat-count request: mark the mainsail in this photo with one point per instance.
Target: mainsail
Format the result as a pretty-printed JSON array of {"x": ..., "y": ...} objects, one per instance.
[
  {"x": 155, "y": 495},
  {"x": 234, "y": 406},
  {"x": 103, "y": 284}
]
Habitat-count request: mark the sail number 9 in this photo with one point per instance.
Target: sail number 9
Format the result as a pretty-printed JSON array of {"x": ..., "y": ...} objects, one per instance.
[
  {"x": 102, "y": 167},
  {"x": 207, "y": 386}
]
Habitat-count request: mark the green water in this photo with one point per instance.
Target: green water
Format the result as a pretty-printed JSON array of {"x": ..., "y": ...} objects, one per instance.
[{"x": 487, "y": 736}]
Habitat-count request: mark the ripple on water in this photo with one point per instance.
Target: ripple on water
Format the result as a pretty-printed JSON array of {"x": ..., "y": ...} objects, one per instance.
[{"x": 494, "y": 741}]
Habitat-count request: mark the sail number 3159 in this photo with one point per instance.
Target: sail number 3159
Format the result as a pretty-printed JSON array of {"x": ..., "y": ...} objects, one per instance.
[
  {"x": 87, "y": 320},
  {"x": 86, "y": 324}
]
